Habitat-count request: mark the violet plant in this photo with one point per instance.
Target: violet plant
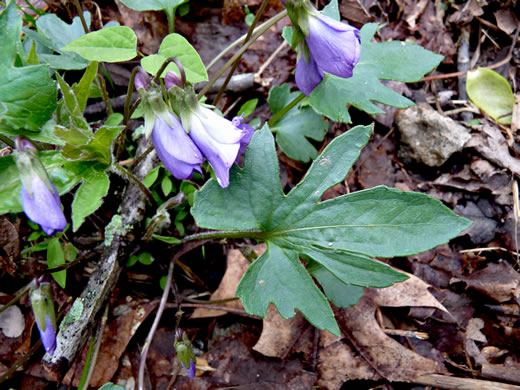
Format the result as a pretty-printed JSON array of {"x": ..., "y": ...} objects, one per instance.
[{"x": 338, "y": 239}]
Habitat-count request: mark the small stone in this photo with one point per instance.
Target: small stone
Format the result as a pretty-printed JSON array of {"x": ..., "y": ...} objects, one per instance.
[{"x": 429, "y": 137}]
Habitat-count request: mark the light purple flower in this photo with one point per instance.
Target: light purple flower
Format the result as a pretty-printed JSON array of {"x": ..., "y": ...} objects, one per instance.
[
  {"x": 44, "y": 206},
  {"x": 218, "y": 139},
  {"x": 334, "y": 48},
  {"x": 175, "y": 148}
]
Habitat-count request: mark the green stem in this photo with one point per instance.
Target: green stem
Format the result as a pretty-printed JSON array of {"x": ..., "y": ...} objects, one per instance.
[
  {"x": 235, "y": 65},
  {"x": 242, "y": 39},
  {"x": 81, "y": 17},
  {"x": 219, "y": 234},
  {"x": 6, "y": 140},
  {"x": 170, "y": 13},
  {"x": 261, "y": 29},
  {"x": 284, "y": 110},
  {"x": 100, "y": 81}
]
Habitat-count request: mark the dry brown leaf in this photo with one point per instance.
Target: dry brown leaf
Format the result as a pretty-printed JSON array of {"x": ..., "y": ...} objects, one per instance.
[
  {"x": 118, "y": 332},
  {"x": 236, "y": 267},
  {"x": 492, "y": 144},
  {"x": 499, "y": 281}
]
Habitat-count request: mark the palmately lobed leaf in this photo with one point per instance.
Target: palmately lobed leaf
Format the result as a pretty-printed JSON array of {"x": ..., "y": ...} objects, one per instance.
[{"x": 336, "y": 237}]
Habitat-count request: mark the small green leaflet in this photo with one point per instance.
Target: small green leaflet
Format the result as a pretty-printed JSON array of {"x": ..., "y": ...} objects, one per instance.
[
  {"x": 400, "y": 61},
  {"x": 27, "y": 94},
  {"x": 175, "y": 45},
  {"x": 340, "y": 234},
  {"x": 89, "y": 197},
  {"x": 112, "y": 44},
  {"x": 298, "y": 124},
  {"x": 55, "y": 258}
]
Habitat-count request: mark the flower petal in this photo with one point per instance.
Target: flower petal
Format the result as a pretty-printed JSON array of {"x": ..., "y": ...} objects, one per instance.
[
  {"x": 307, "y": 75},
  {"x": 219, "y": 128},
  {"x": 44, "y": 208},
  {"x": 175, "y": 149}
]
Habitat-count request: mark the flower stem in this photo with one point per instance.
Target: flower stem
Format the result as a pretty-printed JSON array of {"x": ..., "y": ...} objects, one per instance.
[
  {"x": 235, "y": 65},
  {"x": 170, "y": 13},
  {"x": 253, "y": 233},
  {"x": 258, "y": 32},
  {"x": 284, "y": 110},
  {"x": 81, "y": 17},
  {"x": 6, "y": 140}
]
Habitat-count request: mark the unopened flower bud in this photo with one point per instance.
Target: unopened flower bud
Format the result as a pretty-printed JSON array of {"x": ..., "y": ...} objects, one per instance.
[
  {"x": 43, "y": 308},
  {"x": 142, "y": 79},
  {"x": 172, "y": 80},
  {"x": 185, "y": 353}
]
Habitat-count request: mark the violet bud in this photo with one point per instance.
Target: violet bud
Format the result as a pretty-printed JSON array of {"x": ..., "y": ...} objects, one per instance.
[
  {"x": 142, "y": 79},
  {"x": 185, "y": 353},
  {"x": 218, "y": 139},
  {"x": 43, "y": 308},
  {"x": 334, "y": 48},
  {"x": 172, "y": 80},
  {"x": 175, "y": 148},
  {"x": 40, "y": 199}
]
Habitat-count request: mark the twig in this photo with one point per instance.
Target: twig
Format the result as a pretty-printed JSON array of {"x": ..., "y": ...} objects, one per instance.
[
  {"x": 155, "y": 324},
  {"x": 450, "y": 382}
]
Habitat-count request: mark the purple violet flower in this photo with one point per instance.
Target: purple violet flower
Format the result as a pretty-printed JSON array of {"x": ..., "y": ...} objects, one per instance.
[
  {"x": 40, "y": 199},
  {"x": 218, "y": 139},
  {"x": 176, "y": 149},
  {"x": 334, "y": 48},
  {"x": 44, "y": 206}
]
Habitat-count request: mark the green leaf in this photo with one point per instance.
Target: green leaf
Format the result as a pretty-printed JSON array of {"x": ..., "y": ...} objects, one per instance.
[
  {"x": 175, "y": 45},
  {"x": 89, "y": 197},
  {"x": 166, "y": 185},
  {"x": 82, "y": 89},
  {"x": 10, "y": 185},
  {"x": 332, "y": 10},
  {"x": 151, "y": 177},
  {"x": 55, "y": 258},
  {"x": 111, "y": 386},
  {"x": 153, "y": 5},
  {"x": 491, "y": 93},
  {"x": 340, "y": 234},
  {"x": 396, "y": 60},
  {"x": 248, "y": 107},
  {"x": 278, "y": 276},
  {"x": 27, "y": 94},
  {"x": 339, "y": 293},
  {"x": 53, "y": 33},
  {"x": 112, "y": 44},
  {"x": 298, "y": 124}
]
